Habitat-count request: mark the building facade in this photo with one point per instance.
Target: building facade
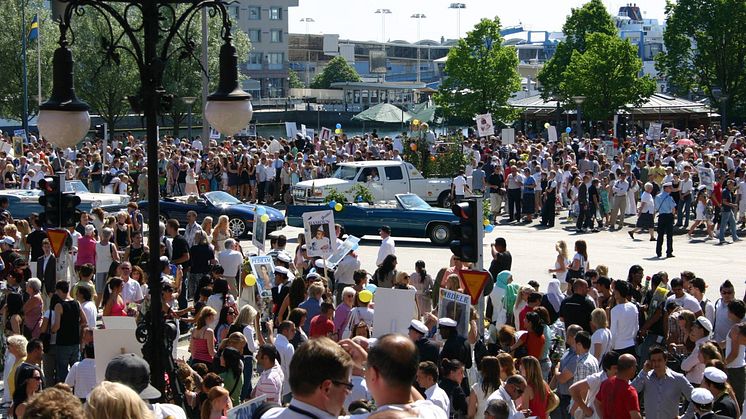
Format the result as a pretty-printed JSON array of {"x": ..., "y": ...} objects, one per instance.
[{"x": 267, "y": 25}]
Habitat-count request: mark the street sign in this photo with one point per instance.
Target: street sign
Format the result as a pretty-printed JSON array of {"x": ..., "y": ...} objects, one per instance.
[
  {"x": 57, "y": 239},
  {"x": 474, "y": 283}
]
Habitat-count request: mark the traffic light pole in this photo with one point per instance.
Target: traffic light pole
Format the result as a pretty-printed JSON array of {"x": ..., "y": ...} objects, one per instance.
[{"x": 480, "y": 265}]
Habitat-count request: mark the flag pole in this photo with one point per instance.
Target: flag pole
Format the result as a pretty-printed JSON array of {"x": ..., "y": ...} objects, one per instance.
[
  {"x": 24, "y": 37},
  {"x": 38, "y": 58}
]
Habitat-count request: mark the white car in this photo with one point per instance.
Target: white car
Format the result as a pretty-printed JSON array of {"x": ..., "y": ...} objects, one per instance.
[{"x": 24, "y": 202}]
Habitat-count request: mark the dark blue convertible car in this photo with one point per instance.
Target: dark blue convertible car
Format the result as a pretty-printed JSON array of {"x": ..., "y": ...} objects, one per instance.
[
  {"x": 215, "y": 204},
  {"x": 408, "y": 216}
]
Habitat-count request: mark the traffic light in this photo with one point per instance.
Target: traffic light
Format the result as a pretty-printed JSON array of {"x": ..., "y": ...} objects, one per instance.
[
  {"x": 69, "y": 214},
  {"x": 101, "y": 131},
  {"x": 51, "y": 199},
  {"x": 465, "y": 231}
]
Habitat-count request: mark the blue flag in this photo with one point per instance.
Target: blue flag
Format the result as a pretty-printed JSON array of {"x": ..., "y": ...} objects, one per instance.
[{"x": 33, "y": 33}]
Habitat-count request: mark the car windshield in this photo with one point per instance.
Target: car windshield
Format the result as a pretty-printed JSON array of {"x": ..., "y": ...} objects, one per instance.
[
  {"x": 346, "y": 172},
  {"x": 412, "y": 201},
  {"x": 221, "y": 198},
  {"x": 75, "y": 186}
]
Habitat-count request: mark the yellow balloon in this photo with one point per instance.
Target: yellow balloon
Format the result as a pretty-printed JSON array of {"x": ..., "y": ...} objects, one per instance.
[
  {"x": 485, "y": 222},
  {"x": 415, "y": 122},
  {"x": 546, "y": 125},
  {"x": 249, "y": 280},
  {"x": 264, "y": 218},
  {"x": 338, "y": 131},
  {"x": 338, "y": 207}
]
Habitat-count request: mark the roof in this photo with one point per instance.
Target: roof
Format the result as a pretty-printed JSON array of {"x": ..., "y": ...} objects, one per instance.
[
  {"x": 383, "y": 112},
  {"x": 658, "y": 103},
  {"x": 379, "y": 86},
  {"x": 372, "y": 163}
]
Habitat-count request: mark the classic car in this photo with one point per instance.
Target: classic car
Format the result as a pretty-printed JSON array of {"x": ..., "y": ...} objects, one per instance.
[
  {"x": 408, "y": 216},
  {"x": 24, "y": 202},
  {"x": 215, "y": 204}
]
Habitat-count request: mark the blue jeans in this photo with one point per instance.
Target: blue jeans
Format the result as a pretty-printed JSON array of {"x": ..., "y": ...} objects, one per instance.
[
  {"x": 248, "y": 372},
  {"x": 66, "y": 356},
  {"x": 727, "y": 221},
  {"x": 96, "y": 186},
  {"x": 684, "y": 211}
]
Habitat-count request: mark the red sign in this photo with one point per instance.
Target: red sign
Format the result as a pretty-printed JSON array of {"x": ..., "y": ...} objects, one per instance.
[
  {"x": 57, "y": 239},
  {"x": 474, "y": 283}
]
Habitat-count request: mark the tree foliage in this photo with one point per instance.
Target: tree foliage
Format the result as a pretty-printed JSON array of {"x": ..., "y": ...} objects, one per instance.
[
  {"x": 592, "y": 17},
  {"x": 11, "y": 76},
  {"x": 481, "y": 74},
  {"x": 607, "y": 74},
  {"x": 338, "y": 70},
  {"x": 295, "y": 81},
  {"x": 706, "y": 48}
]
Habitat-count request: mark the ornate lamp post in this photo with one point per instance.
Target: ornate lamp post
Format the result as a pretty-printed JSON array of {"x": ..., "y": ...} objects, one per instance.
[
  {"x": 155, "y": 32},
  {"x": 189, "y": 101}
]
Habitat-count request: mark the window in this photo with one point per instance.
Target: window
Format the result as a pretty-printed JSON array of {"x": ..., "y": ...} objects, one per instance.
[
  {"x": 275, "y": 35},
  {"x": 275, "y": 13},
  {"x": 235, "y": 12},
  {"x": 255, "y": 13},
  {"x": 255, "y": 35},
  {"x": 275, "y": 58},
  {"x": 255, "y": 61},
  {"x": 394, "y": 173}
]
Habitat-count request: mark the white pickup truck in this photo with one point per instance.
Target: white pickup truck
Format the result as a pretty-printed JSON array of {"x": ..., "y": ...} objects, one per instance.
[{"x": 384, "y": 179}]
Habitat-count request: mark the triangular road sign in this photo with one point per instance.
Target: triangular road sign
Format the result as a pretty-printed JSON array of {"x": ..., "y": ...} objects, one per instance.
[
  {"x": 57, "y": 239},
  {"x": 474, "y": 283}
]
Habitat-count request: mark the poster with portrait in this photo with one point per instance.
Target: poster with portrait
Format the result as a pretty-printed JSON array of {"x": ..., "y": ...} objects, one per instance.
[
  {"x": 456, "y": 306},
  {"x": 264, "y": 271},
  {"x": 325, "y": 133},
  {"x": 259, "y": 233},
  {"x": 290, "y": 129},
  {"x": 18, "y": 146},
  {"x": 485, "y": 128},
  {"x": 320, "y": 233},
  {"x": 346, "y": 247},
  {"x": 654, "y": 131},
  {"x": 552, "y": 134}
]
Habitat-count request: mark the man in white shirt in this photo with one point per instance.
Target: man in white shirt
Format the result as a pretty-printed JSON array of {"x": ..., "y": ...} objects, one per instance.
[
  {"x": 191, "y": 228},
  {"x": 285, "y": 332},
  {"x": 624, "y": 320},
  {"x": 683, "y": 299},
  {"x": 511, "y": 390},
  {"x": 131, "y": 290},
  {"x": 459, "y": 186},
  {"x": 231, "y": 260},
  {"x": 272, "y": 377},
  {"x": 388, "y": 246},
  {"x": 427, "y": 378},
  {"x": 82, "y": 375}
]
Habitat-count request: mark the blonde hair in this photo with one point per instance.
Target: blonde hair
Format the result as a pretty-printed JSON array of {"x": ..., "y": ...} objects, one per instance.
[
  {"x": 18, "y": 342},
  {"x": 115, "y": 400},
  {"x": 222, "y": 223},
  {"x": 401, "y": 277},
  {"x": 246, "y": 315},
  {"x": 204, "y": 313},
  {"x": 602, "y": 270},
  {"x": 599, "y": 319},
  {"x": 561, "y": 248},
  {"x": 452, "y": 282},
  {"x": 215, "y": 393}
]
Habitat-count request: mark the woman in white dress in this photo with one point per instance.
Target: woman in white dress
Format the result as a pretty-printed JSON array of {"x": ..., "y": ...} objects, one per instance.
[
  {"x": 560, "y": 264},
  {"x": 423, "y": 283},
  {"x": 702, "y": 215},
  {"x": 220, "y": 233}
]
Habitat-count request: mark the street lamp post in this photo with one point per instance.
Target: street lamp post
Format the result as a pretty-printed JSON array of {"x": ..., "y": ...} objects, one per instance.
[
  {"x": 419, "y": 17},
  {"x": 578, "y": 102},
  {"x": 458, "y": 7},
  {"x": 152, "y": 29},
  {"x": 307, "y": 21},
  {"x": 717, "y": 93},
  {"x": 189, "y": 101},
  {"x": 383, "y": 13}
]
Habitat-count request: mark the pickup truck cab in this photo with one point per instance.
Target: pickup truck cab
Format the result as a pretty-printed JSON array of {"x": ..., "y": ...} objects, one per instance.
[{"x": 384, "y": 178}]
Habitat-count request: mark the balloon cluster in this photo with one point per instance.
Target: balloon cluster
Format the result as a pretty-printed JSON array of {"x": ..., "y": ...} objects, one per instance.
[
  {"x": 262, "y": 213},
  {"x": 488, "y": 227},
  {"x": 336, "y": 206},
  {"x": 338, "y": 128},
  {"x": 568, "y": 130}
]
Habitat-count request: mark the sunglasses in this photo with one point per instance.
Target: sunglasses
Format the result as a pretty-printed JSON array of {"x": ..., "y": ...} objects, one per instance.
[{"x": 348, "y": 386}]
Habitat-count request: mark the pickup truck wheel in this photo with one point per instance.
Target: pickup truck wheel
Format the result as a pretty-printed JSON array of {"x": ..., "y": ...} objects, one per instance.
[
  {"x": 439, "y": 234},
  {"x": 237, "y": 227},
  {"x": 444, "y": 200}
]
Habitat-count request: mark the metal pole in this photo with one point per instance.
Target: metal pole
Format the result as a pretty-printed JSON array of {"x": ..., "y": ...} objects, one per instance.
[
  {"x": 205, "y": 83},
  {"x": 458, "y": 23},
  {"x": 418, "y": 49},
  {"x": 480, "y": 263},
  {"x": 151, "y": 79},
  {"x": 24, "y": 40},
  {"x": 189, "y": 130},
  {"x": 580, "y": 125},
  {"x": 38, "y": 59},
  {"x": 104, "y": 145}
]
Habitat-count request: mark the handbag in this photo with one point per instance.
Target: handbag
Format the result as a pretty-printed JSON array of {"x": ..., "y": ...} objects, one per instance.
[{"x": 572, "y": 274}]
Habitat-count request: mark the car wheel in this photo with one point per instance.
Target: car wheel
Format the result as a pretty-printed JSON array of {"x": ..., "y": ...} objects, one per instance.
[
  {"x": 444, "y": 200},
  {"x": 439, "y": 234},
  {"x": 237, "y": 227}
]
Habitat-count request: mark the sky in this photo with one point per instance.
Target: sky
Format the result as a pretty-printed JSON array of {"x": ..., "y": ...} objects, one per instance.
[{"x": 356, "y": 20}]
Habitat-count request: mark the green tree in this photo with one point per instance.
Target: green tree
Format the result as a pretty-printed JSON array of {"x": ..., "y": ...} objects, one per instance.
[
  {"x": 607, "y": 74},
  {"x": 11, "y": 77},
  {"x": 592, "y": 17},
  {"x": 481, "y": 75},
  {"x": 338, "y": 70},
  {"x": 706, "y": 48},
  {"x": 295, "y": 81}
]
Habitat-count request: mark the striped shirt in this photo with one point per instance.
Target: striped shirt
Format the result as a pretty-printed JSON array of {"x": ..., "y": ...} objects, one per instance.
[{"x": 270, "y": 383}]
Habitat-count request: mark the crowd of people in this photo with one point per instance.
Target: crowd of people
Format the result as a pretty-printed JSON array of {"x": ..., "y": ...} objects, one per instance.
[{"x": 586, "y": 346}]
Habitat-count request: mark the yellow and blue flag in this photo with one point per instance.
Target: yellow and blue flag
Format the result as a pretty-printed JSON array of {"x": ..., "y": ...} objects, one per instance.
[{"x": 34, "y": 30}]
